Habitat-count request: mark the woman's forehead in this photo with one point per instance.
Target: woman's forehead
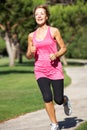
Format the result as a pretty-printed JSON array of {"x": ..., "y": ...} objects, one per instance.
[{"x": 40, "y": 10}]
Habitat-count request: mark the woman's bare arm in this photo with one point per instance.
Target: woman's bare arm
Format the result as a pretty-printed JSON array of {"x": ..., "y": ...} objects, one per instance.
[
  {"x": 29, "y": 54},
  {"x": 62, "y": 47}
]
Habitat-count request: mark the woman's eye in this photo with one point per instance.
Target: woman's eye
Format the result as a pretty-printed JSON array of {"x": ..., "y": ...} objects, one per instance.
[
  {"x": 36, "y": 14},
  {"x": 41, "y": 13}
]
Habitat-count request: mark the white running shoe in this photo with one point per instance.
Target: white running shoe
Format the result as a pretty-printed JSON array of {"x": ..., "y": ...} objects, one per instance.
[
  {"x": 54, "y": 126},
  {"x": 67, "y": 107}
]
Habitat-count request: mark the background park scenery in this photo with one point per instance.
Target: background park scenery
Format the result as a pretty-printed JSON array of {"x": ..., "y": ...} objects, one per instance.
[{"x": 19, "y": 93}]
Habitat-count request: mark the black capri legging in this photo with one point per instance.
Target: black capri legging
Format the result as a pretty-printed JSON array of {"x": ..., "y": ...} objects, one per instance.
[{"x": 48, "y": 95}]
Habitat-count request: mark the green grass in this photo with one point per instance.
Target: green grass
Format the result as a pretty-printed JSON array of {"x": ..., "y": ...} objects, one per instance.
[
  {"x": 67, "y": 79},
  {"x": 83, "y": 126},
  {"x": 19, "y": 93}
]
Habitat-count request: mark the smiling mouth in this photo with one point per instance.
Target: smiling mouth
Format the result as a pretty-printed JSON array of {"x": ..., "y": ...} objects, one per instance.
[{"x": 39, "y": 19}]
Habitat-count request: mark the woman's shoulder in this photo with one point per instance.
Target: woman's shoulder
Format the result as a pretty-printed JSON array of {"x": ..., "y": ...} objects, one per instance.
[
  {"x": 54, "y": 31},
  {"x": 30, "y": 35}
]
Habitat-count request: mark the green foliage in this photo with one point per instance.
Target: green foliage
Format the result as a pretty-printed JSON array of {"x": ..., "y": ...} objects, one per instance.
[
  {"x": 78, "y": 48},
  {"x": 71, "y": 21},
  {"x": 18, "y": 13},
  {"x": 38, "y": 2},
  {"x": 67, "y": 18},
  {"x": 14, "y": 11}
]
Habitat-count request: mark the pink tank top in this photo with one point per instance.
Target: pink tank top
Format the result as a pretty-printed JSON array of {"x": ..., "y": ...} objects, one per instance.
[{"x": 44, "y": 67}]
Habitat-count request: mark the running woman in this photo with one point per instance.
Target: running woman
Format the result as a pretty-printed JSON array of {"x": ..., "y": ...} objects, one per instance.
[{"x": 47, "y": 46}]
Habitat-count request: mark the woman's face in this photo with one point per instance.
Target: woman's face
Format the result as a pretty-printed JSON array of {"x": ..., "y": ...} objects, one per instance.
[{"x": 40, "y": 16}]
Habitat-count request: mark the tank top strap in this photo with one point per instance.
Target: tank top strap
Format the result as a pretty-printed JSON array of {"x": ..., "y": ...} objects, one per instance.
[
  {"x": 34, "y": 35},
  {"x": 49, "y": 33}
]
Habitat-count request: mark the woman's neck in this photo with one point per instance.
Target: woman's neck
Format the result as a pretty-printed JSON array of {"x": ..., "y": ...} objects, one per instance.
[
  {"x": 43, "y": 27},
  {"x": 41, "y": 32}
]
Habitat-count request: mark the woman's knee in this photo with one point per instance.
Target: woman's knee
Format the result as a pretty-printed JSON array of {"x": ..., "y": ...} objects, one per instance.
[
  {"x": 59, "y": 101},
  {"x": 47, "y": 98}
]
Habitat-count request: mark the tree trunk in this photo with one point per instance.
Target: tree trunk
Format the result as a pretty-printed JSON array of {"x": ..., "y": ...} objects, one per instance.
[
  {"x": 20, "y": 58},
  {"x": 9, "y": 50},
  {"x": 18, "y": 53}
]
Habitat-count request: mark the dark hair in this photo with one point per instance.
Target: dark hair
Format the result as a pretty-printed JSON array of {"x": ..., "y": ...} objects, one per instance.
[{"x": 45, "y": 7}]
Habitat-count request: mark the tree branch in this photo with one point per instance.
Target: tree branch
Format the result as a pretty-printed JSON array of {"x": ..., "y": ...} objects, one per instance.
[
  {"x": 15, "y": 25},
  {"x": 2, "y": 27}
]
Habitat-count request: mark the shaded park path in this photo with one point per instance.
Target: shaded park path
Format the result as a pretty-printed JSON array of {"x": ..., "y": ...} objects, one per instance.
[{"x": 39, "y": 120}]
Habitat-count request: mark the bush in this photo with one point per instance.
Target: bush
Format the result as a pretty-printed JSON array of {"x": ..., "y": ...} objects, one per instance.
[
  {"x": 71, "y": 21},
  {"x": 78, "y": 49}
]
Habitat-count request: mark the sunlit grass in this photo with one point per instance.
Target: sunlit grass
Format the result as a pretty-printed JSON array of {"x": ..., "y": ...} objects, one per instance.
[
  {"x": 83, "y": 126},
  {"x": 19, "y": 93}
]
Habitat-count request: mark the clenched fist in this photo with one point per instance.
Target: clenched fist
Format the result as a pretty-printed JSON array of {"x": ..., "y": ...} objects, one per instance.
[
  {"x": 33, "y": 49},
  {"x": 52, "y": 57}
]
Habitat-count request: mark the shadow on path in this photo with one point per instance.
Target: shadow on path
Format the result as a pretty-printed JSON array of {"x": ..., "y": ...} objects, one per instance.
[{"x": 69, "y": 122}]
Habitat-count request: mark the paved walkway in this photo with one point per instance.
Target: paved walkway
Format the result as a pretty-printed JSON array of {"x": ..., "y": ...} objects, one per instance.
[{"x": 39, "y": 120}]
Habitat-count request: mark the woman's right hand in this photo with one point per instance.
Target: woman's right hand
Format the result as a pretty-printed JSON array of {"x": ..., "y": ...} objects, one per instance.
[{"x": 33, "y": 49}]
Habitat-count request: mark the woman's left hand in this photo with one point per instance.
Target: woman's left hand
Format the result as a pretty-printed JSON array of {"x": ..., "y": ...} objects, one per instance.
[{"x": 52, "y": 57}]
